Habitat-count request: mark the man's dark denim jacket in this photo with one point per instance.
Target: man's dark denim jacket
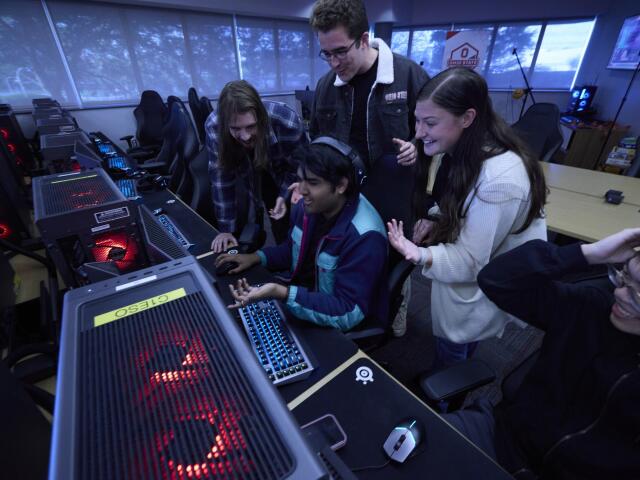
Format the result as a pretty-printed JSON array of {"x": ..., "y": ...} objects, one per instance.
[{"x": 390, "y": 112}]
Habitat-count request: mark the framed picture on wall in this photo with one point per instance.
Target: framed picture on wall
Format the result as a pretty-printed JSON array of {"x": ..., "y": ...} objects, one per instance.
[{"x": 626, "y": 53}]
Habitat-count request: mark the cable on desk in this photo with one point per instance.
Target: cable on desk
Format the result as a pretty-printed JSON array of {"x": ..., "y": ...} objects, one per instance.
[
  {"x": 378, "y": 467},
  {"x": 371, "y": 467}
]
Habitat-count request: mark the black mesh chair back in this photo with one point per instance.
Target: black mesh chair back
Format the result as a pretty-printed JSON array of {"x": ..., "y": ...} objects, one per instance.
[
  {"x": 198, "y": 113},
  {"x": 205, "y": 103},
  {"x": 186, "y": 148},
  {"x": 201, "y": 200},
  {"x": 539, "y": 128},
  {"x": 166, "y": 161},
  {"x": 372, "y": 335},
  {"x": 150, "y": 114}
]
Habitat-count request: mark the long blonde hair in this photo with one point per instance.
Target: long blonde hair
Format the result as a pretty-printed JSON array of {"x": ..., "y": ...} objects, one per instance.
[{"x": 238, "y": 97}]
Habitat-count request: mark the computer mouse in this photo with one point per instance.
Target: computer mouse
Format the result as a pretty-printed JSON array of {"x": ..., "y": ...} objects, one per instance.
[
  {"x": 224, "y": 268},
  {"x": 403, "y": 439}
]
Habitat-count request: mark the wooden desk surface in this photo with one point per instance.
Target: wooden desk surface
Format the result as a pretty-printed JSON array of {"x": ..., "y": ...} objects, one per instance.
[
  {"x": 587, "y": 217},
  {"x": 591, "y": 182}
]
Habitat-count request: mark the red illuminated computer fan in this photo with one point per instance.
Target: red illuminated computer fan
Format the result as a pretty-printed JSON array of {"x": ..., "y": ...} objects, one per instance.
[
  {"x": 196, "y": 437},
  {"x": 116, "y": 247},
  {"x": 5, "y": 230}
]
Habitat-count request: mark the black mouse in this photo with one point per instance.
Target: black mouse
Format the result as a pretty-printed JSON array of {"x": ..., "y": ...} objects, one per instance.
[
  {"x": 404, "y": 439},
  {"x": 223, "y": 269}
]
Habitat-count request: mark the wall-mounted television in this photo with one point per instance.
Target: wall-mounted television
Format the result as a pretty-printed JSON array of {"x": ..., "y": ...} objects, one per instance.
[{"x": 626, "y": 53}]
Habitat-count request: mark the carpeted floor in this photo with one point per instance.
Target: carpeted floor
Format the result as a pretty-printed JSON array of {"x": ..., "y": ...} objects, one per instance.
[{"x": 407, "y": 357}]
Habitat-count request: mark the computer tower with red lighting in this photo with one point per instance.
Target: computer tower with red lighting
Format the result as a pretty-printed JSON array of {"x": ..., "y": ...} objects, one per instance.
[
  {"x": 83, "y": 217},
  {"x": 15, "y": 217},
  {"x": 156, "y": 380},
  {"x": 11, "y": 134}
]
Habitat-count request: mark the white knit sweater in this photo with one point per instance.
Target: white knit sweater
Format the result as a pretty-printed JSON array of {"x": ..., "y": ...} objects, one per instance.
[{"x": 498, "y": 207}]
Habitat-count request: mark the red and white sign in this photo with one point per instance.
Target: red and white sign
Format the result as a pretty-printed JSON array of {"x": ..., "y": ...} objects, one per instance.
[{"x": 466, "y": 49}]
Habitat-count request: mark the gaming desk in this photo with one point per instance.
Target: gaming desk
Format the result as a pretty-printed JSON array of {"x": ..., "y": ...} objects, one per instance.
[
  {"x": 587, "y": 217},
  {"x": 367, "y": 412},
  {"x": 590, "y": 182}
]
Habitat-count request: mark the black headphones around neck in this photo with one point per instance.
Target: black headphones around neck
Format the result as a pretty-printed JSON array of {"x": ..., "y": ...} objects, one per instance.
[{"x": 346, "y": 150}]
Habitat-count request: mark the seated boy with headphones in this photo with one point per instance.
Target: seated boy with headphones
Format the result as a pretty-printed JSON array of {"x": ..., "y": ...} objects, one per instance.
[{"x": 336, "y": 251}]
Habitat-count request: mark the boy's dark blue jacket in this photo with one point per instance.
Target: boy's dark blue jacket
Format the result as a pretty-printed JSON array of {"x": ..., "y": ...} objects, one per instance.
[{"x": 351, "y": 261}]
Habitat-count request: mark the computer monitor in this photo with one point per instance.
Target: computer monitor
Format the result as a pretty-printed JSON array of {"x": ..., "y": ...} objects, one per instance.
[{"x": 581, "y": 99}]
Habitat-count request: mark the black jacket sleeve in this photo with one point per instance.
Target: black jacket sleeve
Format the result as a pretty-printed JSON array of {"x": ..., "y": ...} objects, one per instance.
[{"x": 524, "y": 281}]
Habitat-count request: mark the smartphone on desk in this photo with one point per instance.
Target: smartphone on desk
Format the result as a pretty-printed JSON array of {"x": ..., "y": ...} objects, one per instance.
[{"x": 328, "y": 430}]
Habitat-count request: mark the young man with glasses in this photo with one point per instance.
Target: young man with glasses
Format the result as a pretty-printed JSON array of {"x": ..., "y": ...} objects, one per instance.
[
  {"x": 577, "y": 412},
  {"x": 368, "y": 100}
]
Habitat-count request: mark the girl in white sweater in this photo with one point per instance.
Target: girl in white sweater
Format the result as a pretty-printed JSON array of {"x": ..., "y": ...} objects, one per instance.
[{"x": 491, "y": 202}]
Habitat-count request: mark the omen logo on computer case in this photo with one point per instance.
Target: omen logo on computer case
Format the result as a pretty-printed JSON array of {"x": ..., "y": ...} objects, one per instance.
[
  {"x": 83, "y": 217},
  {"x": 156, "y": 381}
]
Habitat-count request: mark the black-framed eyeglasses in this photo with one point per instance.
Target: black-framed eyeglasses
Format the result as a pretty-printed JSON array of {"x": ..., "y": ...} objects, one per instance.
[
  {"x": 620, "y": 277},
  {"x": 339, "y": 53}
]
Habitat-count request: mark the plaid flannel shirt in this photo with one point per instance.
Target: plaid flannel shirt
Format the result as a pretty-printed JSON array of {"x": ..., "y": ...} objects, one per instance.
[{"x": 286, "y": 132}]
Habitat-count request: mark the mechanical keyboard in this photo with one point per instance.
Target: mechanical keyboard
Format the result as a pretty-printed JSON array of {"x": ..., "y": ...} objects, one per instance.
[
  {"x": 117, "y": 163},
  {"x": 128, "y": 187},
  {"x": 105, "y": 148},
  {"x": 174, "y": 231},
  {"x": 276, "y": 346}
]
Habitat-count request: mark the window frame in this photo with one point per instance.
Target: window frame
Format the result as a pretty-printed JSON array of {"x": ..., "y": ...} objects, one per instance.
[
  {"x": 494, "y": 25},
  {"x": 181, "y": 14}
]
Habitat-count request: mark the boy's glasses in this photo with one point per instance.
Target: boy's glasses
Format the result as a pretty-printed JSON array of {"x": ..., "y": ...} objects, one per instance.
[
  {"x": 338, "y": 53},
  {"x": 620, "y": 277}
]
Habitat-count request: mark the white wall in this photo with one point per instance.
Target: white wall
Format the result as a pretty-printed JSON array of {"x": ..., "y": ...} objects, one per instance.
[
  {"x": 113, "y": 122},
  {"x": 509, "y": 109},
  {"x": 117, "y": 122}
]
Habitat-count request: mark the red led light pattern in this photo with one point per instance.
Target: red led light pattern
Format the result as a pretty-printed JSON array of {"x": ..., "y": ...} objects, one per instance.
[
  {"x": 174, "y": 363},
  {"x": 196, "y": 437},
  {"x": 223, "y": 451},
  {"x": 195, "y": 357},
  {"x": 5, "y": 133},
  {"x": 85, "y": 198}
]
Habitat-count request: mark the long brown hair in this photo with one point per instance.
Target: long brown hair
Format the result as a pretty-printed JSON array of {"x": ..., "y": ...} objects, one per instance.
[
  {"x": 238, "y": 97},
  {"x": 456, "y": 90}
]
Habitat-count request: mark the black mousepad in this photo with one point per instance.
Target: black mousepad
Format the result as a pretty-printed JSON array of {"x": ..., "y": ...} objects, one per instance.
[{"x": 369, "y": 411}]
